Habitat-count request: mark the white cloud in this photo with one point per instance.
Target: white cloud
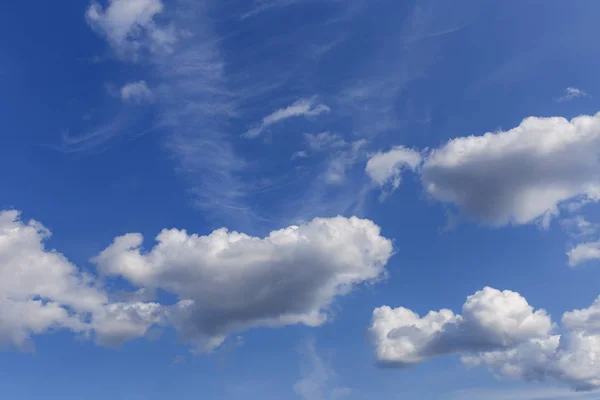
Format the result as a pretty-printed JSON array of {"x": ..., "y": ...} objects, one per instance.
[
  {"x": 491, "y": 319},
  {"x": 301, "y": 108},
  {"x": 136, "y": 92},
  {"x": 130, "y": 25},
  {"x": 586, "y": 320},
  {"x": 192, "y": 95},
  {"x": 571, "y": 93},
  {"x": 498, "y": 330},
  {"x": 521, "y": 175},
  {"x": 386, "y": 167},
  {"x": 584, "y": 252},
  {"x": 225, "y": 282},
  {"x": 229, "y": 282},
  {"x": 41, "y": 291}
]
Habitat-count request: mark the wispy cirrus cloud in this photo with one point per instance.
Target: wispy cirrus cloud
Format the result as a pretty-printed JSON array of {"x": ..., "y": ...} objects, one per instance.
[
  {"x": 206, "y": 91},
  {"x": 300, "y": 108},
  {"x": 190, "y": 94},
  {"x": 260, "y": 6},
  {"x": 319, "y": 380}
]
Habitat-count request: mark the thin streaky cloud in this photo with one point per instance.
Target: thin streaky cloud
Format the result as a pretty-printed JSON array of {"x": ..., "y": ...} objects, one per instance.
[{"x": 300, "y": 108}]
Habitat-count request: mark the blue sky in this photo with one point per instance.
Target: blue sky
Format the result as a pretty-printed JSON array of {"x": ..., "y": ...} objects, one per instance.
[{"x": 300, "y": 199}]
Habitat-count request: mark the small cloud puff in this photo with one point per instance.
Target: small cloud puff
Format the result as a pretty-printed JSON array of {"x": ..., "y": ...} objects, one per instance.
[{"x": 136, "y": 92}]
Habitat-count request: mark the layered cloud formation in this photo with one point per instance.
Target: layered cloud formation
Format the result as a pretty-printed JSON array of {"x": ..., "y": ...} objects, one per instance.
[
  {"x": 498, "y": 330},
  {"x": 224, "y": 282}
]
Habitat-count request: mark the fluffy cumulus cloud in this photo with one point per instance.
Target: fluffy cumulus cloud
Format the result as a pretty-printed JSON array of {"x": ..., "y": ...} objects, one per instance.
[
  {"x": 225, "y": 282},
  {"x": 301, "y": 108},
  {"x": 521, "y": 175},
  {"x": 385, "y": 168},
  {"x": 491, "y": 319},
  {"x": 584, "y": 252},
  {"x": 41, "y": 291},
  {"x": 136, "y": 92},
  {"x": 229, "y": 282},
  {"x": 130, "y": 25},
  {"x": 500, "y": 331}
]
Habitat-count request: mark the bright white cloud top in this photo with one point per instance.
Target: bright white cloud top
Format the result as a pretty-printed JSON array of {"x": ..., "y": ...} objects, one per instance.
[
  {"x": 230, "y": 282},
  {"x": 520, "y": 175},
  {"x": 517, "y": 176},
  {"x": 498, "y": 330},
  {"x": 225, "y": 282}
]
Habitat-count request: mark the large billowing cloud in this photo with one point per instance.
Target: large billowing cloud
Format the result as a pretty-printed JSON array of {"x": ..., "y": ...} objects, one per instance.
[
  {"x": 225, "y": 282},
  {"x": 41, "y": 291},
  {"x": 228, "y": 281},
  {"x": 498, "y": 330},
  {"x": 517, "y": 176},
  {"x": 520, "y": 175}
]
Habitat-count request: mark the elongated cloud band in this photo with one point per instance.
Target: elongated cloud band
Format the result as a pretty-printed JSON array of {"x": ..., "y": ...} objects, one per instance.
[{"x": 225, "y": 282}]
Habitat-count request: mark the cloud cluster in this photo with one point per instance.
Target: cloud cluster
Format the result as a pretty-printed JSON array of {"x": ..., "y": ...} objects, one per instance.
[
  {"x": 498, "y": 330},
  {"x": 229, "y": 282},
  {"x": 225, "y": 282}
]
